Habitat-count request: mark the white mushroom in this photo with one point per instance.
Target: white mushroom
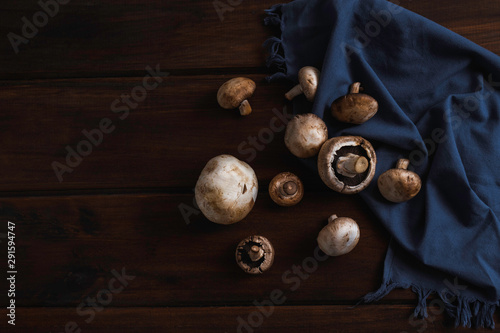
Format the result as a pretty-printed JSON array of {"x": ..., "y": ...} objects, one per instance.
[
  {"x": 308, "y": 84},
  {"x": 305, "y": 134},
  {"x": 226, "y": 189},
  {"x": 347, "y": 164},
  {"x": 339, "y": 237}
]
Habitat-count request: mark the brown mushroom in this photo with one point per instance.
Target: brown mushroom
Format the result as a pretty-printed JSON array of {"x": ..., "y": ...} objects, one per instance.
[
  {"x": 354, "y": 108},
  {"x": 286, "y": 189},
  {"x": 308, "y": 84},
  {"x": 339, "y": 237},
  {"x": 398, "y": 185},
  {"x": 347, "y": 164},
  {"x": 234, "y": 94},
  {"x": 255, "y": 254},
  {"x": 305, "y": 134}
]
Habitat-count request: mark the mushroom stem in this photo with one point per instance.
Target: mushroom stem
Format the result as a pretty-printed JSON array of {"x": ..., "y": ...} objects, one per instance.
[
  {"x": 289, "y": 188},
  {"x": 256, "y": 253},
  {"x": 332, "y": 218},
  {"x": 294, "y": 92},
  {"x": 351, "y": 165},
  {"x": 245, "y": 108},
  {"x": 403, "y": 163},
  {"x": 355, "y": 88}
]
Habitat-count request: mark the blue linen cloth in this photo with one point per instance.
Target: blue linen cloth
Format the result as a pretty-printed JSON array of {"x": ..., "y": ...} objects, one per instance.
[{"x": 439, "y": 106}]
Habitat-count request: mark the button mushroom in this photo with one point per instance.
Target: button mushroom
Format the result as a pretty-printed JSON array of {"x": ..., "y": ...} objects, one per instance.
[
  {"x": 308, "y": 84},
  {"x": 354, "y": 108},
  {"x": 398, "y": 185},
  {"x": 234, "y": 93},
  {"x": 347, "y": 164},
  {"x": 305, "y": 134},
  {"x": 286, "y": 189},
  {"x": 255, "y": 254},
  {"x": 226, "y": 189},
  {"x": 339, "y": 237}
]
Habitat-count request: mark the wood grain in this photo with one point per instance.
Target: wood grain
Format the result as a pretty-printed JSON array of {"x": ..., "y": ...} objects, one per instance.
[
  {"x": 71, "y": 244},
  {"x": 119, "y": 208},
  {"x": 164, "y": 142},
  {"x": 326, "y": 318},
  {"x": 111, "y": 38}
]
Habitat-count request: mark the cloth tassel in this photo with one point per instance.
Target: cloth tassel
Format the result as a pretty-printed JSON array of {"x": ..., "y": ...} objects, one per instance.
[
  {"x": 470, "y": 313},
  {"x": 385, "y": 289},
  {"x": 465, "y": 312},
  {"x": 421, "y": 308},
  {"x": 274, "y": 45},
  {"x": 273, "y": 15}
]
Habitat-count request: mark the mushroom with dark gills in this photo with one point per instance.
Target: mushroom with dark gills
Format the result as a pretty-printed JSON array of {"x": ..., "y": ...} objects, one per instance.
[
  {"x": 286, "y": 189},
  {"x": 255, "y": 254},
  {"x": 354, "y": 108},
  {"x": 347, "y": 164},
  {"x": 235, "y": 93},
  {"x": 308, "y": 84},
  {"x": 226, "y": 189},
  {"x": 398, "y": 185},
  {"x": 305, "y": 134},
  {"x": 339, "y": 237}
]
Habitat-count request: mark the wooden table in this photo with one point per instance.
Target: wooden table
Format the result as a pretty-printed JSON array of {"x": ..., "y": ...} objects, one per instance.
[{"x": 117, "y": 211}]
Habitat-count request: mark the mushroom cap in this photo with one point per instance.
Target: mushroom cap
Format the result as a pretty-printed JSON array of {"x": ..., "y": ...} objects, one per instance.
[
  {"x": 339, "y": 237},
  {"x": 286, "y": 189},
  {"x": 354, "y": 108},
  {"x": 244, "y": 260},
  {"x": 398, "y": 185},
  {"x": 305, "y": 134},
  {"x": 226, "y": 189},
  {"x": 235, "y": 91},
  {"x": 308, "y": 80},
  {"x": 341, "y": 146}
]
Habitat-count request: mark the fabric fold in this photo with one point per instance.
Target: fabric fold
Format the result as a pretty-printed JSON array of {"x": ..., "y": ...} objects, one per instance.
[{"x": 439, "y": 106}]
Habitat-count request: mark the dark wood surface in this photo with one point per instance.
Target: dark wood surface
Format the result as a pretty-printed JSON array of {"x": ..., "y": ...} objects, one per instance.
[{"x": 120, "y": 208}]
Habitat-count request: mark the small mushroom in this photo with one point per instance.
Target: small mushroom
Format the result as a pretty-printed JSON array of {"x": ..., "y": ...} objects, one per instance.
[
  {"x": 226, "y": 189},
  {"x": 339, "y": 237},
  {"x": 255, "y": 254},
  {"x": 286, "y": 189},
  {"x": 305, "y": 134},
  {"x": 234, "y": 93},
  {"x": 398, "y": 185},
  {"x": 308, "y": 84},
  {"x": 347, "y": 164},
  {"x": 354, "y": 108}
]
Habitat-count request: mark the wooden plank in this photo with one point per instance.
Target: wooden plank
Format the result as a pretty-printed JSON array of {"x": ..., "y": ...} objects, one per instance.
[
  {"x": 114, "y": 38},
  {"x": 328, "y": 318},
  {"x": 164, "y": 142},
  {"x": 92, "y": 38},
  {"x": 68, "y": 247}
]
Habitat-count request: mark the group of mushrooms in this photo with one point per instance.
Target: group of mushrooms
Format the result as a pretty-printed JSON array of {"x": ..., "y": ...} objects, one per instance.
[{"x": 227, "y": 188}]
